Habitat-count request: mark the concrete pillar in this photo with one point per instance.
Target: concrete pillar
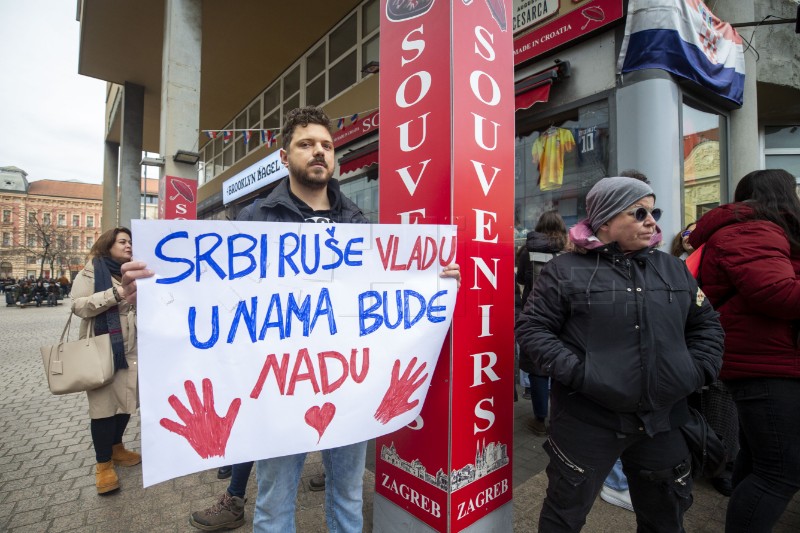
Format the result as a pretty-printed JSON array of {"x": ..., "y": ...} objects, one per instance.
[
  {"x": 744, "y": 142},
  {"x": 649, "y": 140},
  {"x": 180, "y": 85},
  {"x": 130, "y": 169},
  {"x": 110, "y": 177}
]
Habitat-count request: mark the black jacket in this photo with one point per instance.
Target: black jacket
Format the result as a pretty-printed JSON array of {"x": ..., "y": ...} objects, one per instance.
[
  {"x": 625, "y": 338},
  {"x": 278, "y": 206},
  {"x": 535, "y": 242}
]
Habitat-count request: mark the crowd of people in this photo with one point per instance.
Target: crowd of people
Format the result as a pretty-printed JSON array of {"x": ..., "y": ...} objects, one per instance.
[
  {"x": 34, "y": 291},
  {"x": 618, "y": 340}
]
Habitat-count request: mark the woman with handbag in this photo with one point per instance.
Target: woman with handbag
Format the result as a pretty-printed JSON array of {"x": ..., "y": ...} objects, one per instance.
[
  {"x": 98, "y": 298},
  {"x": 750, "y": 271}
]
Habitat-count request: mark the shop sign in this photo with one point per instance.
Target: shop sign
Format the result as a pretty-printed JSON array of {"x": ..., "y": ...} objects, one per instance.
[
  {"x": 254, "y": 177},
  {"x": 573, "y": 19},
  {"x": 528, "y": 13},
  {"x": 449, "y": 115},
  {"x": 177, "y": 199},
  {"x": 360, "y": 128}
]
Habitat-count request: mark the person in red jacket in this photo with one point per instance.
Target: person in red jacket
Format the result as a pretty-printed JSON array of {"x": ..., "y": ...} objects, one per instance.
[{"x": 750, "y": 271}]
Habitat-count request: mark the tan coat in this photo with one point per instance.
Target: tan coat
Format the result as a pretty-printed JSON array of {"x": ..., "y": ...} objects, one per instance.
[{"x": 122, "y": 394}]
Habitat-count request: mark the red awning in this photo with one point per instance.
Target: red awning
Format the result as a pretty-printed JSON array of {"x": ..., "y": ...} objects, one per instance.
[
  {"x": 532, "y": 95},
  {"x": 363, "y": 157}
]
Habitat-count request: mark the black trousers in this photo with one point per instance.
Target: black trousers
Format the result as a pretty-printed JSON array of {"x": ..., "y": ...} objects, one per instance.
[
  {"x": 581, "y": 456},
  {"x": 105, "y": 433}
]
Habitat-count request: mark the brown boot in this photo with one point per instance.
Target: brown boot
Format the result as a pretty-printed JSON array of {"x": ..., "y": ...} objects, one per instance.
[
  {"x": 106, "y": 478},
  {"x": 123, "y": 457}
]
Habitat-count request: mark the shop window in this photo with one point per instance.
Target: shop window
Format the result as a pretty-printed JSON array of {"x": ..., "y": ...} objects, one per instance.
[
  {"x": 30, "y": 274},
  {"x": 782, "y": 149},
  {"x": 556, "y": 165},
  {"x": 363, "y": 190},
  {"x": 702, "y": 161}
]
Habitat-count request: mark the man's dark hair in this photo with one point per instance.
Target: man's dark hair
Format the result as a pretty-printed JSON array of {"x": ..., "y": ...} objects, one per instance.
[
  {"x": 302, "y": 116},
  {"x": 635, "y": 174}
]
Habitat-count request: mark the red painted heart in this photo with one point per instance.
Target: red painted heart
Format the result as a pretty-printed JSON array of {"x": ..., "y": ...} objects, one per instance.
[{"x": 319, "y": 417}]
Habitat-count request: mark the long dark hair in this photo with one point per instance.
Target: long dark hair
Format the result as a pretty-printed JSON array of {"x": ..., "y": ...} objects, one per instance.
[
  {"x": 102, "y": 246},
  {"x": 677, "y": 243},
  {"x": 772, "y": 194},
  {"x": 552, "y": 225}
]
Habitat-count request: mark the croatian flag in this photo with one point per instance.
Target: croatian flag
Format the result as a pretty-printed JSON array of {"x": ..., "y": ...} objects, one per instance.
[{"x": 683, "y": 37}]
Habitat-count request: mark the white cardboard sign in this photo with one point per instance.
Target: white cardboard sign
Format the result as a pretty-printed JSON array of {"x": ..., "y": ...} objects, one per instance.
[{"x": 264, "y": 339}]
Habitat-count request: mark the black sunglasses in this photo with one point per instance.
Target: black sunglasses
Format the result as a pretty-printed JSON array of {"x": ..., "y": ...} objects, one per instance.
[{"x": 640, "y": 214}]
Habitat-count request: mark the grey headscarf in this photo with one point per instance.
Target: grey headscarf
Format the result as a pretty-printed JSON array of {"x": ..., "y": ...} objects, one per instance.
[{"x": 610, "y": 196}]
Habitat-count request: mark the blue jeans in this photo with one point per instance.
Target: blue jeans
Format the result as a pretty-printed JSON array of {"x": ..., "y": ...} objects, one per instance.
[
  {"x": 540, "y": 393},
  {"x": 616, "y": 478},
  {"x": 279, "y": 477},
  {"x": 767, "y": 471},
  {"x": 240, "y": 474}
]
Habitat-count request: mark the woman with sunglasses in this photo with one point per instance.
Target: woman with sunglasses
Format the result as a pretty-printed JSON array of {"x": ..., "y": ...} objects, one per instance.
[
  {"x": 626, "y": 336},
  {"x": 750, "y": 271},
  {"x": 680, "y": 247}
]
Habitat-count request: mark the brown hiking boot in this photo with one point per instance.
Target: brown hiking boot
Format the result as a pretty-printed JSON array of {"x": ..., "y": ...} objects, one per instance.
[
  {"x": 123, "y": 457},
  {"x": 105, "y": 478},
  {"x": 227, "y": 513}
]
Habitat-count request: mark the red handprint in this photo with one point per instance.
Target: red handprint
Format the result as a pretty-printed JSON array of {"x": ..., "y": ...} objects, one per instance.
[
  {"x": 395, "y": 401},
  {"x": 205, "y": 431}
]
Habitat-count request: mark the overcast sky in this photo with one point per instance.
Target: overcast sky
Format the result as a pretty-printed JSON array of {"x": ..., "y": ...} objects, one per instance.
[{"x": 51, "y": 118}]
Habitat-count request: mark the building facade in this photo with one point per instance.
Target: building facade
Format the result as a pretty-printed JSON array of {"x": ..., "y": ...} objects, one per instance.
[{"x": 47, "y": 226}]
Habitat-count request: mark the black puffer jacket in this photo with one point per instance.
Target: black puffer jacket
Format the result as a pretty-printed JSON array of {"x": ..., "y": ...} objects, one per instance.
[
  {"x": 279, "y": 207},
  {"x": 626, "y": 338},
  {"x": 535, "y": 242}
]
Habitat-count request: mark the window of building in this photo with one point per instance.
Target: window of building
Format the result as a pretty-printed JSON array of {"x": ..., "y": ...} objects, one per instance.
[
  {"x": 89, "y": 221},
  {"x": 32, "y": 241},
  {"x": 45, "y": 219},
  {"x": 89, "y": 242},
  {"x": 76, "y": 243},
  {"x": 32, "y": 216},
  {"x": 6, "y": 238},
  {"x": 76, "y": 220},
  {"x": 557, "y": 161},
  {"x": 703, "y": 160},
  {"x": 62, "y": 219},
  {"x": 31, "y": 259},
  {"x": 782, "y": 149},
  {"x": 6, "y": 215},
  {"x": 31, "y": 274},
  {"x": 363, "y": 190}
]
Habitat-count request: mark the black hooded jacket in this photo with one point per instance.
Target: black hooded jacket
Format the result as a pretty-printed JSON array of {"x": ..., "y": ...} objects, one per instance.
[{"x": 625, "y": 337}]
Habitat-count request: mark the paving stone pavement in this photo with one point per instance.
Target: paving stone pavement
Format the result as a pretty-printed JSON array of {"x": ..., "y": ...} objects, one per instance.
[{"x": 47, "y": 462}]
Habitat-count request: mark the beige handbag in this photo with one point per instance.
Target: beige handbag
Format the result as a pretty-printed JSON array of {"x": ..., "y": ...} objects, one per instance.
[{"x": 79, "y": 365}]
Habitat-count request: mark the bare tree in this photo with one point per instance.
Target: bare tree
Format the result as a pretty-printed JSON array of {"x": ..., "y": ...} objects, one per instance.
[{"x": 45, "y": 240}]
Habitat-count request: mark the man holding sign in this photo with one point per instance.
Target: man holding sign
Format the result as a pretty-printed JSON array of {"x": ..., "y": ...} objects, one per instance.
[{"x": 309, "y": 194}]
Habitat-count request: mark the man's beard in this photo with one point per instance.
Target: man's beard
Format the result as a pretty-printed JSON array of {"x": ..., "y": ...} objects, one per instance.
[{"x": 311, "y": 177}]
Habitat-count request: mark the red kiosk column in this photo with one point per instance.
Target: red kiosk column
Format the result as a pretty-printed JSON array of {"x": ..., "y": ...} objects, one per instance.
[{"x": 447, "y": 157}]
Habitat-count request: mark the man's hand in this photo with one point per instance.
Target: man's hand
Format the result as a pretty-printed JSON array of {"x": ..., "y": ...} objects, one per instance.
[
  {"x": 452, "y": 271},
  {"x": 131, "y": 271}
]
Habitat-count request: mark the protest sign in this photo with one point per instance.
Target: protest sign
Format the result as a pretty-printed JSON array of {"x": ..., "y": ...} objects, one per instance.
[{"x": 264, "y": 339}]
